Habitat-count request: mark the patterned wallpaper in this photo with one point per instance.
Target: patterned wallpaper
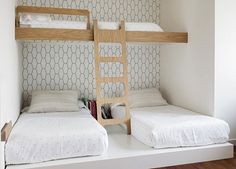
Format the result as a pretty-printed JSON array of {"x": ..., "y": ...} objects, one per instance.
[{"x": 70, "y": 65}]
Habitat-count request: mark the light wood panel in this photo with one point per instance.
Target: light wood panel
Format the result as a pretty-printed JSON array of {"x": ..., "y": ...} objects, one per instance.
[
  {"x": 54, "y": 34},
  {"x": 111, "y": 36},
  {"x": 87, "y": 35},
  {"x": 6, "y": 130},
  {"x": 112, "y": 100},
  {"x": 161, "y": 37},
  {"x": 112, "y": 79},
  {"x": 47, "y": 10},
  {"x": 111, "y": 59}
]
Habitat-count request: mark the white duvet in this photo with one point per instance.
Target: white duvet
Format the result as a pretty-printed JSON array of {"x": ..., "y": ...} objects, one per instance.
[
  {"x": 56, "y": 24},
  {"x": 41, "y": 137},
  {"x": 129, "y": 26},
  {"x": 171, "y": 126}
]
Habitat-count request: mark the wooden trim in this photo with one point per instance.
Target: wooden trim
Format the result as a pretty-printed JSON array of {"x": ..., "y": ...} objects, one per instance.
[
  {"x": 88, "y": 35},
  {"x": 106, "y": 122},
  {"x": 6, "y": 130},
  {"x": 111, "y": 59},
  {"x": 112, "y": 79},
  {"x": 47, "y": 10},
  {"x": 112, "y": 36},
  {"x": 162, "y": 37},
  {"x": 112, "y": 100},
  {"x": 54, "y": 34}
]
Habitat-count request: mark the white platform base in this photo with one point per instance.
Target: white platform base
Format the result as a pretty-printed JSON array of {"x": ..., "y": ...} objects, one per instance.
[
  {"x": 233, "y": 141},
  {"x": 126, "y": 152}
]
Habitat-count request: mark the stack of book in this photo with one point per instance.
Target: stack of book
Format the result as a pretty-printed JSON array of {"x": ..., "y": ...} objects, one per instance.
[{"x": 92, "y": 106}]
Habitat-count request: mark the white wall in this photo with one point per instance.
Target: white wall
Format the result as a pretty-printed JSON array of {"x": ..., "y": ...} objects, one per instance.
[
  {"x": 9, "y": 68},
  {"x": 187, "y": 70},
  {"x": 225, "y": 63},
  {"x": 201, "y": 75}
]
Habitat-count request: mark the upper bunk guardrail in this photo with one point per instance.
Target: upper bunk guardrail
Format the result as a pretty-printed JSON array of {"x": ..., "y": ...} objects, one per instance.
[
  {"x": 47, "y": 10},
  {"x": 23, "y": 33}
]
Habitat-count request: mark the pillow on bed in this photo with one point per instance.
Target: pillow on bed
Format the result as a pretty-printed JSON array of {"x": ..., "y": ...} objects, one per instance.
[
  {"x": 54, "y": 101},
  {"x": 146, "y": 98},
  {"x": 31, "y": 17}
]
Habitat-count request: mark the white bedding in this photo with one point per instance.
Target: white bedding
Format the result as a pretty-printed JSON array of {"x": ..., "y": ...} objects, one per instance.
[
  {"x": 171, "y": 126},
  {"x": 41, "y": 137},
  {"x": 129, "y": 26},
  {"x": 55, "y": 24}
]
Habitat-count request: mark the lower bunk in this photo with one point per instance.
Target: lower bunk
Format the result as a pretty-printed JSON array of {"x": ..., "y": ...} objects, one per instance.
[
  {"x": 41, "y": 137},
  {"x": 58, "y": 131},
  {"x": 124, "y": 151},
  {"x": 171, "y": 126}
]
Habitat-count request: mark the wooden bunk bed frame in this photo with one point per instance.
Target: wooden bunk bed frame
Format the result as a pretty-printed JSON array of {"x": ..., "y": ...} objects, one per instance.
[
  {"x": 98, "y": 36},
  {"x": 85, "y": 35}
]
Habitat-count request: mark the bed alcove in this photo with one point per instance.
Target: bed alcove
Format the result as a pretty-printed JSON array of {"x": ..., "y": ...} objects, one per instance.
[{"x": 164, "y": 60}]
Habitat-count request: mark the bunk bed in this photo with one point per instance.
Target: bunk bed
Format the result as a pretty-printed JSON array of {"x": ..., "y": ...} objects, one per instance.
[
  {"x": 123, "y": 149},
  {"x": 24, "y": 33},
  {"x": 103, "y": 32}
]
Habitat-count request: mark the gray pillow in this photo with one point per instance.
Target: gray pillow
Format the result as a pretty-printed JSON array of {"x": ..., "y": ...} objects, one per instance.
[{"x": 54, "y": 101}]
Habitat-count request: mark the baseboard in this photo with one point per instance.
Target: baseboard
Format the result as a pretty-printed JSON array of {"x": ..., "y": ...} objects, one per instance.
[{"x": 233, "y": 141}]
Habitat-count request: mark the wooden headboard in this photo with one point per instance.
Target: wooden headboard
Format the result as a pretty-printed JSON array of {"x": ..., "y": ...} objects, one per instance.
[
  {"x": 6, "y": 130},
  {"x": 47, "y": 10}
]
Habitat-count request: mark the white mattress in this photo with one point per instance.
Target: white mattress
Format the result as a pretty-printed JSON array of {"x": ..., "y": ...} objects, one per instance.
[
  {"x": 55, "y": 24},
  {"x": 130, "y": 26},
  {"x": 171, "y": 126},
  {"x": 41, "y": 137}
]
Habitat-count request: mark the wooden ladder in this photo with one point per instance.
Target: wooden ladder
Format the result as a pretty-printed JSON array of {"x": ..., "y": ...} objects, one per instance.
[{"x": 111, "y": 36}]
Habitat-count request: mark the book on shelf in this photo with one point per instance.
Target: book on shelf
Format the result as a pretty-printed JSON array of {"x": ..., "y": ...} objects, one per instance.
[{"x": 92, "y": 106}]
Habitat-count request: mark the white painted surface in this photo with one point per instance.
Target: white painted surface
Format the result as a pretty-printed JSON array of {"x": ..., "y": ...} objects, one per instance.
[
  {"x": 187, "y": 70},
  {"x": 9, "y": 67},
  {"x": 124, "y": 150},
  {"x": 225, "y": 63},
  {"x": 1, "y": 125}
]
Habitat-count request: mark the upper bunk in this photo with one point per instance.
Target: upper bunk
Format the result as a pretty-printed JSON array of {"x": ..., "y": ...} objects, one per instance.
[{"x": 48, "y": 29}]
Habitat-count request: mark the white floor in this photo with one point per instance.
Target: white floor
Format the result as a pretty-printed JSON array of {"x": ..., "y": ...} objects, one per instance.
[{"x": 126, "y": 152}]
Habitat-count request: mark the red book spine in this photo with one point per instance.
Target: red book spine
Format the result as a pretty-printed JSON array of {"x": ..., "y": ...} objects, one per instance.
[{"x": 94, "y": 109}]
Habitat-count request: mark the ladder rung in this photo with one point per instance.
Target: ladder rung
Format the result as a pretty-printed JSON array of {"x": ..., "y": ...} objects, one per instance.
[
  {"x": 111, "y": 59},
  {"x": 112, "y": 79},
  {"x": 113, "y": 121},
  {"x": 102, "y": 101},
  {"x": 110, "y": 36}
]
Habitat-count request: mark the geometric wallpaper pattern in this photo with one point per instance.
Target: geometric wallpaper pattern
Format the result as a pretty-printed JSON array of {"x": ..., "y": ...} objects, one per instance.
[{"x": 57, "y": 65}]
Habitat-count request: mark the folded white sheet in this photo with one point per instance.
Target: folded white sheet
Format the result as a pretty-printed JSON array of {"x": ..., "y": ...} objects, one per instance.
[
  {"x": 131, "y": 26},
  {"x": 171, "y": 126},
  {"x": 56, "y": 24},
  {"x": 43, "y": 137},
  {"x": 31, "y": 17}
]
